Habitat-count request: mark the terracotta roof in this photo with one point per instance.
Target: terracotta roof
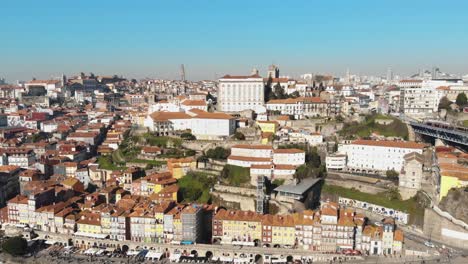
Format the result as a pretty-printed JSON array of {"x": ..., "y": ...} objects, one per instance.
[
  {"x": 283, "y": 118},
  {"x": 398, "y": 235},
  {"x": 389, "y": 144},
  {"x": 454, "y": 170},
  {"x": 253, "y": 159},
  {"x": 70, "y": 182},
  {"x": 284, "y": 167},
  {"x": 346, "y": 221},
  {"x": 8, "y": 168},
  {"x": 194, "y": 102},
  {"x": 207, "y": 115},
  {"x": 166, "y": 116},
  {"x": 151, "y": 149},
  {"x": 245, "y": 146},
  {"x": 288, "y": 151},
  {"x": 19, "y": 199},
  {"x": 261, "y": 166}
]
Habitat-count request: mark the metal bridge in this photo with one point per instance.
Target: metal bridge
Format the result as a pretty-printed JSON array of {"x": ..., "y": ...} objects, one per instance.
[{"x": 445, "y": 132}]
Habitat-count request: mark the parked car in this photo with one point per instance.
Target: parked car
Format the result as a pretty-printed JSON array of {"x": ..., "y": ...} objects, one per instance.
[{"x": 429, "y": 244}]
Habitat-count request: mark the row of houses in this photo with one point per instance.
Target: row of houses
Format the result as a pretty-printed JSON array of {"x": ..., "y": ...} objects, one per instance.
[{"x": 141, "y": 219}]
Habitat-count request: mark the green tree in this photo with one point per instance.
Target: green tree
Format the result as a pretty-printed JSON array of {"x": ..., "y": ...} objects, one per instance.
[
  {"x": 38, "y": 137},
  {"x": 195, "y": 187},
  {"x": 188, "y": 136},
  {"x": 268, "y": 91},
  {"x": 279, "y": 91},
  {"x": 393, "y": 194},
  {"x": 218, "y": 153},
  {"x": 461, "y": 99},
  {"x": 444, "y": 103},
  {"x": 15, "y": 246},
  {"x": 392, "y": 175}
]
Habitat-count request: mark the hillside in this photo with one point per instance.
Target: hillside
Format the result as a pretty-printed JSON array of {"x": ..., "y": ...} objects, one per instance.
[
  {"x": 364, "y": 129},
  {"x": 455, "y": 203}
]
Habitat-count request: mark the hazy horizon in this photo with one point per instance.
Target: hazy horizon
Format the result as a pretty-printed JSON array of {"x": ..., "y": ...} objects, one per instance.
[{"x": 152, "y": 38}]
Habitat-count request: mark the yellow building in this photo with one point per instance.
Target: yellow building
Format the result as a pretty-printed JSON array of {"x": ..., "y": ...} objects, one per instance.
[
  {"x": 268, "y": 126},
  {"x": 267, "y": 137},
  {"x": 283, "y": 230},
  {"x": 452, "y": 176},
  {"x": 180, "y": 167},
  {"x": 241, "y": 226},
  {"x": 158, "y": 181},
  {"x": 89, "y": 224}
]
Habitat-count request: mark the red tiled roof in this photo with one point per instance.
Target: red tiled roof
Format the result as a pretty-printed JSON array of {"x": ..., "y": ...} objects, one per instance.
[{"x": 389, "y": 144}]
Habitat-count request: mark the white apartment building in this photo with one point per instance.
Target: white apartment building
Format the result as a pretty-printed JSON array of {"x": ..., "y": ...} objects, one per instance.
[
  {"x": 378, "y": 156},
  {"x": 289, "y": 156},
  {"x": 335, "y": 161},
  {"x": 239, "y": 93},
  {"x": 248, "y": 155},
  {"x": 257, "y": 151},
  {"x": 21, "y": 157},
  {"x": 418, "y": 101},
  {"x": 422, "y": 98},
  {"x": 299, "y": 107},
  {"x": 410, "y": 83}
]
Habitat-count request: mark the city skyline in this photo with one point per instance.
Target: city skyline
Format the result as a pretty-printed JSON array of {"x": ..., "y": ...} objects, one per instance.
[{"x": 152, "y": 39}]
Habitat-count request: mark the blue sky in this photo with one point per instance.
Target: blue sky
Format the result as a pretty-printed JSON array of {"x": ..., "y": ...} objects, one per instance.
[{"x": 152, "y": 38}]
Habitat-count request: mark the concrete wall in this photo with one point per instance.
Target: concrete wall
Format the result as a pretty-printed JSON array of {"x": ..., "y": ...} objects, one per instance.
[
  {"x": 200, "y": 145},
  {"x": 363, "y": 187},
  {"x": 246, "y": 203},
  {"x": 236, "y": 190},
  {"x": 441, "y": 229}
]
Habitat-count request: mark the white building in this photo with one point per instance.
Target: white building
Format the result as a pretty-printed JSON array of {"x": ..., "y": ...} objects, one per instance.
[
  {"x": 419, "y": 101},
  {"x": 423, "y": 97},
  {"x": 187, "y": 105},
  {"x": 248, "y": 155},
  {"x": 289, "y": 156},
  {"x": 378, "y": 156},
  {"x": 257, "y": 151},
  {"x": 203, "y": 125},
  {"x": 410, "y": 83},
  {"x": 299, "y": 107},
  {"x": 23, "y": 158},
  {"x": 335, "y": 161},
  {"x": 305, "y": 136},
  {"x": 239, "y": 93}
]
